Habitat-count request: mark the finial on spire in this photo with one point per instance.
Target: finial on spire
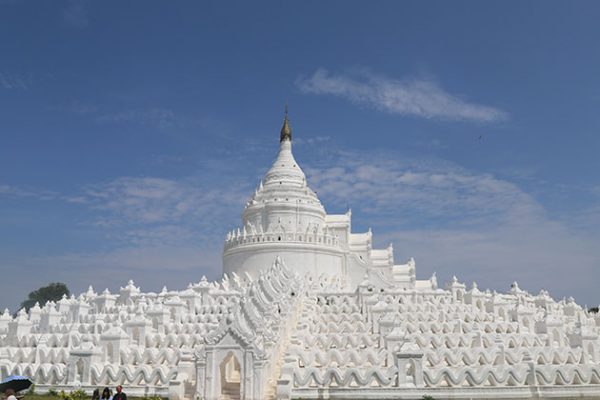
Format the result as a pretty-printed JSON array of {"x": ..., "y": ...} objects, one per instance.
[{"x": 286, "y": 131}]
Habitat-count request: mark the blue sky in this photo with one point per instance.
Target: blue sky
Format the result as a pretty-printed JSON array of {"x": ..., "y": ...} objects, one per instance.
[{"x": 465, "y": 133}]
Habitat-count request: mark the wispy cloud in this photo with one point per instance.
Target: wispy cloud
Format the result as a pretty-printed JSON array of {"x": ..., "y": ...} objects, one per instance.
[
  {"x": 416, "y": 97},
  {"x": 154, "y": 230},
  {"x": 311, "y": 140},
  {"x": 77, "y": 13},
  {"x": 80, "y": 107},
  {"x": 14, "y": 81},
  {"x": 458, "y": 221},
  {"x": 157, "y": 117},
  {"x": 160, "y": 117},
  {"x": 151, "y": 200},
  {"x": 151, "y": 211},
  {"x": 153, "y": 116},
  {"x": 10, "y": 190},
  {"x": 453, "y": 220},
  {"x": 163, "y": 119},
  {"x": 23, "y": 191},
  {"x": 157, "y": 231},
  {"x": 381, "y": 184}
]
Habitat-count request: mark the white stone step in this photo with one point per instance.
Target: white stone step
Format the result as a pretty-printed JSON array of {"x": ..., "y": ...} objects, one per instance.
[{"x": 230, "y": 394}]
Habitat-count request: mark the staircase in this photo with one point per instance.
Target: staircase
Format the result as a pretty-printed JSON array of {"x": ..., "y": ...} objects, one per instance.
[
  {"x": 271, "y": 389},
  {"x": 230, "y": 393}
]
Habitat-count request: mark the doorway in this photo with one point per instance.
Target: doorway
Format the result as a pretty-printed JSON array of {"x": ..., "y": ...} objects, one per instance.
[{"x": 230, "y": 377}]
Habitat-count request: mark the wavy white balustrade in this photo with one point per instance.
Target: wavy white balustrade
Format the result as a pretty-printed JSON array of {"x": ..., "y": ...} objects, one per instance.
[
  {"x": 367, "y": 340},
  {"x": 362, "y": 342}
]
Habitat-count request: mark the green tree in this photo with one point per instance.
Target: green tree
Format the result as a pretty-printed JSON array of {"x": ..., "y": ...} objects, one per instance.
[
  {"x": 593, "y": 310},
  {"x": 52, "y": 292}
]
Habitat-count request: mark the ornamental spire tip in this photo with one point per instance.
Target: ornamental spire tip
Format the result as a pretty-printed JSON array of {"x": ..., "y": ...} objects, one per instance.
[{"x": 286, "y": 131}]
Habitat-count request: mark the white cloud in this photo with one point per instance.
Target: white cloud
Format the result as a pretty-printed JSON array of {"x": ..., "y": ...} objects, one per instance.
[
  {"x": 6, "y": 189},
  {"x": 22, "y": 191},
  {"x": 156, "y": 231},
  {"x": 153, "y": 209},
  {"x": 382, "y": 185},
  {"x": 14, "y": 81},
  {"x": 311, "y": 140},
  {"x": 456, "y": 221},
  {"x": 416, "y": 97}
]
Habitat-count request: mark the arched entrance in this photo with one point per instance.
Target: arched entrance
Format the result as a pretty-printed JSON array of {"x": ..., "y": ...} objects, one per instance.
[
  {"x": 80, "y": 365},
  {"x": 230, "y": 372},
  {"x": 228, "y": 367},
  {"x": 109, "y": 353}
]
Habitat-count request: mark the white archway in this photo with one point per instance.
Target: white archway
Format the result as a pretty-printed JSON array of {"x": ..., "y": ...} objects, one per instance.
[{"x": 230, "y": 375}]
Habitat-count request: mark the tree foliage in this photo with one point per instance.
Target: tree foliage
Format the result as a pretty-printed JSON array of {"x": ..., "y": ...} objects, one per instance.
[
  {"x": 52, "y": 292},
  {"x": 593, "y": 310}
]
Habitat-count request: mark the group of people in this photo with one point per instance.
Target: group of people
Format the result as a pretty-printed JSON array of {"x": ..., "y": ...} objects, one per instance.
[
  {"x": 107, "y": 394},
  {"x": 9, "y": 394}
]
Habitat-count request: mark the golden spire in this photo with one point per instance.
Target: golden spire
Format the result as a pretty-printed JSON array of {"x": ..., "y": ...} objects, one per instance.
[{"x": 286, "y": 131}]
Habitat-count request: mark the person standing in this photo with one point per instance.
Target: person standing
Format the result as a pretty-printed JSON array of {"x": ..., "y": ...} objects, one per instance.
[
  {"x": 120, "y": 395},
  {"x": 106, "y": 394}
]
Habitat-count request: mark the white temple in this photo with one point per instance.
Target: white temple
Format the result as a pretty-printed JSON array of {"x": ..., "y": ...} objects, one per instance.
[
  {"x": 285, "y": 218},
  {"x": 307, "y": 309}
]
